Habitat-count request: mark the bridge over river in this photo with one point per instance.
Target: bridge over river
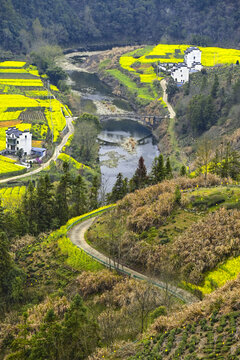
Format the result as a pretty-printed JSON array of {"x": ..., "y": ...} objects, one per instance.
[{"x": 149, "y": 121}]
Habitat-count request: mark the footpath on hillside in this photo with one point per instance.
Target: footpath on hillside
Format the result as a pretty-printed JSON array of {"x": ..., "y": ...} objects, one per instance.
[
  {"x": 77, "y": 236},
  {"x": 171, "y": 126}
]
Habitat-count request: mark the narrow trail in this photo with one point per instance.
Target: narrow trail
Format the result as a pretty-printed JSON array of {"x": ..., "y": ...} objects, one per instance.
[
  {"x": 58, "y": 149},
  {"x": 76, "y": 235},
  {"x": 181, "y": 159},
  {"x": 165, "y": 99}
]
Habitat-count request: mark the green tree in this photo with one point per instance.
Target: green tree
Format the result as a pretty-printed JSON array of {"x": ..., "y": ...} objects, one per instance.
[
  {"x": 183, "y": 170},
  {"x": 158, "y": 172},
  {"x": 79, "y": 197},
  {"x": 215, "y": 87},
  {"x": 172, "y": 89},
  {"x": 5, "y": 266},
  {"x": 168, "y": 169},
  {"x": 44, "y": 204},
  {"x": 201, "y": 113},
  {"x": 72, "y": 338},
  {"x": 120, "y": 189},
  {"x": 30, "y": 208},
  {"x": 93, "y": 193},
  {"x": 178, "y": 195},
  {"x": 62, "y": 197},
  {"x": 140, "y": 178}
]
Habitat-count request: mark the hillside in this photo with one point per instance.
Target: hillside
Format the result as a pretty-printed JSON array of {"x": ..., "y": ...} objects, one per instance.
[
  {"x": 82, "y": 23},
  {"x": 153, "y": 230},
  {"x": 56, "y": 294},
  {"x": 206, "y": 330}
]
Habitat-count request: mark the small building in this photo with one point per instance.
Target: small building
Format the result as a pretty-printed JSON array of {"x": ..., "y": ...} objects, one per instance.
[
  {"x": 180, "y": 73},
  {"x": 196, "y": 66},
  {"x": 17, "y": 140},
  {"x": 192, "y": 55},
  {"x": 39, "y": 152}
]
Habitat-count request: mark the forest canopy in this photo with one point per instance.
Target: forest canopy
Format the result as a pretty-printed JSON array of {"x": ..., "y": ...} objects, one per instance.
[{"x": 23, "y": 24}]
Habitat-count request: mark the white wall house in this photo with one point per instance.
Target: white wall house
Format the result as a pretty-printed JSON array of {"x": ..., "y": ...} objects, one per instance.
[
  {"x": 16, "y": 140},
  {"x": 180, "y": 73},
  {"x": 192, "y": 56}
]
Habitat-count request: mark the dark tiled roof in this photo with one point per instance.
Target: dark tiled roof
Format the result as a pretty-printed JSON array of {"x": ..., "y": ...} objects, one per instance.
[
  {"x": 190, "y": 49},
  {"x": 14, "y": 131},
  {"x": 179, "y": 66}
]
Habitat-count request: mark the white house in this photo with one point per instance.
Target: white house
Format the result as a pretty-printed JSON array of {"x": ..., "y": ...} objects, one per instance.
[
  {"x": 180, "y": 73},
  {"x": 192, "y": 56},
  {"x": 17, "y": 140},
  {"x": 192, "y": 63}
]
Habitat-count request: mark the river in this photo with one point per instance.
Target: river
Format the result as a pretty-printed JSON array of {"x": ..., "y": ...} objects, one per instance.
[{"x": 97, "y": 98}]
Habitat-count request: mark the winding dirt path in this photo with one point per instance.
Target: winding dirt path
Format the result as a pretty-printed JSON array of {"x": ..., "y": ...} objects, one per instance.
[
  {"x": 165, "y": 99},
  {"x": 76, "y": 235},
  {"x": 58, "y": 149}
]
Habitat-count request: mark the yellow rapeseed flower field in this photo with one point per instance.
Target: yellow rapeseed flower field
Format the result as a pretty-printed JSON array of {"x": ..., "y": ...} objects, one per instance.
[
  {"x": 71, "y": 160},
  {"x": 22, "y": 82},
  {"x": 11, "y": 197},
  {"x": 218, "y": 277},
  {"x": 12, "y": 64}
]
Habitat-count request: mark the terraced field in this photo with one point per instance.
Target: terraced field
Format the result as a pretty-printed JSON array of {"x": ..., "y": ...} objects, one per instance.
[
  {"x": 214, "y": 337},
  {"x": 22, "y": 89}
]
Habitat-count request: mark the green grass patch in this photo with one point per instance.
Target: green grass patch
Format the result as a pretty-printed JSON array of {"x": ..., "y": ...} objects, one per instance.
[
  {"x": 143, "y": 92},
  {"x": 103, "y": 64},
  {"x": 76, "y": 257}
]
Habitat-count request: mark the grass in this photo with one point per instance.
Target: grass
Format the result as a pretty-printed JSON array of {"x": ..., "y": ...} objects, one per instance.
[
  {"x": 76, "y": 257},
  {"x": 142, "y": 92},
  {"x": 227, "y": 271},
  {"x": 72, "y": 161}
]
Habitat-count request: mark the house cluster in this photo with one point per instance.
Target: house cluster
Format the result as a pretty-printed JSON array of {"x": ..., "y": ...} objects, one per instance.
[
  {"x": 17, "y": 140},
  {"x": 192, "y": 63}
]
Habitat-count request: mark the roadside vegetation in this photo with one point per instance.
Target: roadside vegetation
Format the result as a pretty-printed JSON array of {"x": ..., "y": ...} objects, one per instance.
[{"x": 154, "y": 229}]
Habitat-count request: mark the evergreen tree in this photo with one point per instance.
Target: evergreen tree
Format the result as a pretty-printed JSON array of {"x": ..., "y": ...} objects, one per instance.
[
  {"x": 119, "y": 189},
  {"x": 178, "y": 196},
  {"x": 215, "y": 87},
  {"x": 140, "y": 178},
  {"x": 5, "y": 266},
  {"x": 93, "y": 194},
  {"x": 183, "y": 170},
  {"x": 30, "y": 208},
  {"x": 79, "y": 197},
  {"x": 158, "y": 172},
  {"x": 74, "y": 337},
  {"x": 2, "y": 217},
  {"x": 168, "y": 169},
  {"x": 62, "y": 197},
  {"x": 44, "y": 200}
]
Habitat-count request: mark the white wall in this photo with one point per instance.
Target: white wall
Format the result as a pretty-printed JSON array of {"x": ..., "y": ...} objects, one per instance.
[
  {"x": 193, "y": 56},
  {"x": 181, "y": 75},
  {"x": 25, "y": 143}
]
